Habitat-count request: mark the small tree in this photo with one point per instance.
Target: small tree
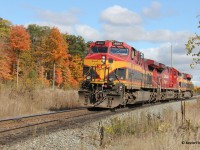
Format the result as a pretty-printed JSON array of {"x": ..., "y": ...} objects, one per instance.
[
  {"x": 5, "y": 58},
  {"x": 193, "y": 48},
  {"x": 57, "y": 50},
  {"x": 19, "y": 42},
  {"x": 76, "y": 67},
  {"x": 39, "y": 53}
]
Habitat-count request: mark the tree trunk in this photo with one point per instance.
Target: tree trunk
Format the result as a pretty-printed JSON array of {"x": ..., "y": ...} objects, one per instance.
[
  {"x": 54, "y": 74},
  {"x": 17, "y": 72}
]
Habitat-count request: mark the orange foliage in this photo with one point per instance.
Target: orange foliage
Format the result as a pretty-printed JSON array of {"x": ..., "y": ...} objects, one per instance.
[
  {"x": 5, "y": 67},
  {"x": 196, "y": 88},
  {"x": 50, "y": 49},
  {"x": 19, "y": 39},
  {"x": 76, "y": 67},
  {"x": 5, "y": 60},
  {"x": 56, "y": 45},
  {"x": 57, "y": 49},
  {"x": 74, "y": 83},
  {"x": 66, "y": 73},
  {"x": 59, "y": 78}
]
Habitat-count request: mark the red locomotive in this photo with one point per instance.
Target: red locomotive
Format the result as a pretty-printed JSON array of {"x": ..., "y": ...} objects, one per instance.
[{"x": 118, "y": 74}]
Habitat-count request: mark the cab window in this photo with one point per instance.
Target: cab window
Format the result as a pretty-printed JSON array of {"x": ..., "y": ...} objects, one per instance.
[
  {"x": 119, "y": 51},
  {"x": 96, "y": 49}
]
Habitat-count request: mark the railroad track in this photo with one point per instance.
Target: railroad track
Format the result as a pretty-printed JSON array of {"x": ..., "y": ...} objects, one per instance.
[{"x": 21, "y": 127}]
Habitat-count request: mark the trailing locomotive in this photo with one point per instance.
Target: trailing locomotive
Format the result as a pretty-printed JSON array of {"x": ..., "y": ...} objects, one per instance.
[{"x": 117, "y": 74}]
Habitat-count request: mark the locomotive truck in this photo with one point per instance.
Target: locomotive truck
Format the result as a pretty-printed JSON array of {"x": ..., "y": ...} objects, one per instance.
[{"x": 116, "y": 74}]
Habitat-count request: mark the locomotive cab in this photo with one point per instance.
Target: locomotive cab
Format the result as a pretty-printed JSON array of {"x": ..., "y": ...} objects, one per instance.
[
  {"x": 104, "y": 71},
  {"x": 101, "y": 63}
]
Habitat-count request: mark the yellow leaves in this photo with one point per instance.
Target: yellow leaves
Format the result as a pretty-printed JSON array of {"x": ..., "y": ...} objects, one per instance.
[
  {"x": 76, "y": 66},
  {"x": 56, "y": 45},
  {"x": 196, "y": 88}
]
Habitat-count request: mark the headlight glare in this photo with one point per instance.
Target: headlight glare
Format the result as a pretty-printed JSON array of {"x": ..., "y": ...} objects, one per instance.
[
  {"x": 111, "y": 79},
  {"x": 103, "y": 59},
  {"x": 88, "y": 78}
]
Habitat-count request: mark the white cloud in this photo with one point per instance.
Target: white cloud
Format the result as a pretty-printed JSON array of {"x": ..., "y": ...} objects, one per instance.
[
  {"x": 126, "y": 33},
  {"x": 151, "y": 53},
  {"x": 163, "y": 54},
  {"x": 153, "y": 11},
  {"x": 164, "y": 35},
  {"x": 139, "y": 33},
  {"x": 156, "y": 11},
  {"x": 61, "y": 18},
  {"x": 117, "y": 15},
  {"x": 120, "y": 23},
  {"x": 87, "y": 32}
]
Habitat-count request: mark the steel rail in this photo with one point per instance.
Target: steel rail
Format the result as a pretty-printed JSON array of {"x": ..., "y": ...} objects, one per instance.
[
  {"x": 43, "y": 114},
  {"x": 45, "y": 122}
]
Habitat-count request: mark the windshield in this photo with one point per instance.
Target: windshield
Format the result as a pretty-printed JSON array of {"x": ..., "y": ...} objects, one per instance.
[
  {"x": 119, "y": 51},
  {"x": 96, "y": 49}
]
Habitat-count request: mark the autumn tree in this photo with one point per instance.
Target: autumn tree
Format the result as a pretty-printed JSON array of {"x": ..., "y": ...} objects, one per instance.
[
  {"x": 57, "y": 50},
  {"x": 77, "y": 51},
  {"x": 5, "y": 57},
  {"x": 193, "y": 48},
  {"x": 19, "y": 42},
  {"x": 39, "y": 53},
  {"x": 76, "y": 67}
]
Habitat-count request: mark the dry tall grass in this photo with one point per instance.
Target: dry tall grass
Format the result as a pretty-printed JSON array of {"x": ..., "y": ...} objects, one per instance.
[
  {"x": 23, "y": 101},
  {"x": 155, "y": 132}
]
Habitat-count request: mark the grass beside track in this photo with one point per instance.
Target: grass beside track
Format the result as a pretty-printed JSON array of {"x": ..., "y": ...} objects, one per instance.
[
  {"x": 148, "y": 131},
  {"x": 25, "y": 102}
]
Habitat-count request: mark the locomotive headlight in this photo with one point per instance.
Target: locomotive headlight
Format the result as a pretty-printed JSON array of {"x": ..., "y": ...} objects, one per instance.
[
  {"x": 111, "y": 79},
  {"x": 103, "y": 59},
  {"x": 120, "y": 88},
  {"x": 88, "y": 78}
]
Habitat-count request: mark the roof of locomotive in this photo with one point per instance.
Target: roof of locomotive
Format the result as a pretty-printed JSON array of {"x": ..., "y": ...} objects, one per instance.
[
  {"x": 155, "y": 64},
  {"x": 110, "y": 43}
]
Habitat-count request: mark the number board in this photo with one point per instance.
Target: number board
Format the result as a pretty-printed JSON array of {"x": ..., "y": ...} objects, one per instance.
[
  {"x": 100, "y": 42},
  {"x": 117, "y": 43}
]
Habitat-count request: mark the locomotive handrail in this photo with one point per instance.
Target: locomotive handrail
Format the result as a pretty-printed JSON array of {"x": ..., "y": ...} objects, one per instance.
[
  {"x": 88, "y": 71},
  {"x": 116, "y": 75}
]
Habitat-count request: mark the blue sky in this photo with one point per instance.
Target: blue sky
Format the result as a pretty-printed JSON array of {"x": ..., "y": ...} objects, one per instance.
[{"x": 149, "y": 26}]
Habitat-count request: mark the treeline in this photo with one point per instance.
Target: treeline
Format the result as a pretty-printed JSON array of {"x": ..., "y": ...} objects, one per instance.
[{"x": 40, "y": 55}]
